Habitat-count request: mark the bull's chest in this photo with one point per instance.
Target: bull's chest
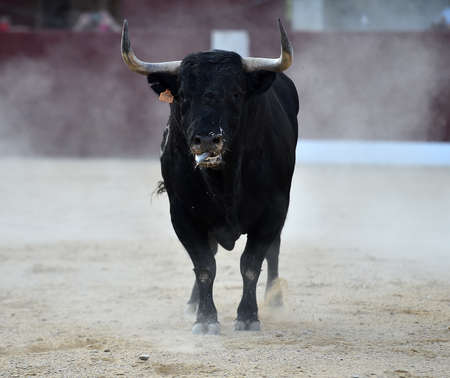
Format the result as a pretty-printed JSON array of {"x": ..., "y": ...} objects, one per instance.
[{"x": 220, "y": 214}]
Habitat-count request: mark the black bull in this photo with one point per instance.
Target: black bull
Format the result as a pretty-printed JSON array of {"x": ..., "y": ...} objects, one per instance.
[{"x": 227, "y": 160}]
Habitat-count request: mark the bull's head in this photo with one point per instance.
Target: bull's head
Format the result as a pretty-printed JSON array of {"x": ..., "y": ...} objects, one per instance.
[{"x": 210, "y": 90}]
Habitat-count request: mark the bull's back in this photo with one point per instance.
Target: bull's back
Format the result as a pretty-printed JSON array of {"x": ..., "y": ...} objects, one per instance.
[
  {"x": 279, "y": 122},
  {"x": 269, "y": 160},
  {"x": 286, "y": 92},
  {"x": 270, "y": 146}
]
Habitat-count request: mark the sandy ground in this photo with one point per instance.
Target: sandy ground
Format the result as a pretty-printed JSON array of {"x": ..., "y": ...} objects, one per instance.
[{"x": 92, "y": 276}]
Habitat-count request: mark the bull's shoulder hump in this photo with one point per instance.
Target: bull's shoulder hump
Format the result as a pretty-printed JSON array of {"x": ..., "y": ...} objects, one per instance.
[{"x": 286, "y": 91}]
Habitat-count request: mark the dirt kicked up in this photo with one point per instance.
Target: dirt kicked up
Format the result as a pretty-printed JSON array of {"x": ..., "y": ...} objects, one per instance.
[{"x": 92, "y": 277}]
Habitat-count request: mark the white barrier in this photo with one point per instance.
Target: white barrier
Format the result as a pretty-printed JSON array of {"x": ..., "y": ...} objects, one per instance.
[{"x": 380, "y": 153}]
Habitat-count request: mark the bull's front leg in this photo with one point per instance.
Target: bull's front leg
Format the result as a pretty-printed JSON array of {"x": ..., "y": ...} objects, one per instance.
[
  {"x": 192, "y": 304},
  {"x": 251, "y": 261},
  {"x": 205, "y": 273},
  {"x": 200, "y": 250}
]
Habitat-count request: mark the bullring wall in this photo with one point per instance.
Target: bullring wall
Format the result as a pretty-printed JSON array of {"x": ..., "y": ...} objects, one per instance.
[{"x": 66, "y": 93}]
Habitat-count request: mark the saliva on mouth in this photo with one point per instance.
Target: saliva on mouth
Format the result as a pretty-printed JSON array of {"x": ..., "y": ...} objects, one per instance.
[{"x": 208, "y": 159}]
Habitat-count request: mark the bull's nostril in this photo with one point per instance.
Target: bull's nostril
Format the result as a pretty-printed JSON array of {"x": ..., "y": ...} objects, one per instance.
[
  {"x": 217, "y": 140},
  {"x": 197, "y": 140}
]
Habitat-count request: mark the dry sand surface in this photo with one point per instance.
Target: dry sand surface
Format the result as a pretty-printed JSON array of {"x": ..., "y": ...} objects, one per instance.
[{"x": 92, "y": 276}]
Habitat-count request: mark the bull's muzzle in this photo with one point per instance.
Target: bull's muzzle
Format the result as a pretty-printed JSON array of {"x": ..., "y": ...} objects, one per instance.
[{"x": 207, "y": 150}]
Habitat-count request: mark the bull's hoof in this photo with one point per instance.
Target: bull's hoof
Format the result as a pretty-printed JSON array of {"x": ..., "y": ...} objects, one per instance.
[
  {"x": 213, "y": 328},
  {"x": 250, "y": 325},
  {"x": 254, "y": 326},
  {"x": 274, "y": 301},
  {"x": 274, "y": 294},
  {"x": 206, "y": 328},
  {"x": 199, "y": 329}
]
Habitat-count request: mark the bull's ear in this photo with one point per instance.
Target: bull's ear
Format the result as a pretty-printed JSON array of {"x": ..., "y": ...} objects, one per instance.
[
  {"x": 160, "y": 82},
  {"x": 260, "y": 81}
]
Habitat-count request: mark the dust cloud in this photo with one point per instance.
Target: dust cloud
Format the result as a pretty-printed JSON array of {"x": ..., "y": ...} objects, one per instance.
[{"x": 92, "y": 276}]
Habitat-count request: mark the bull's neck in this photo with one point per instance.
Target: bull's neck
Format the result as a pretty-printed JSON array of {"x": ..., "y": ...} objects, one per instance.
[{"x": 226, "y": 180}]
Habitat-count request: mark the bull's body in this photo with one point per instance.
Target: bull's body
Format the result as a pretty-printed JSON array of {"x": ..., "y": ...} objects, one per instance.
[
  {"x": 251, "y": 193},
  {"x": 227, "y": 159}
]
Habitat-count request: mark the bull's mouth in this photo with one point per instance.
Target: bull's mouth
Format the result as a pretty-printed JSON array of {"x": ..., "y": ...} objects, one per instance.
[{"x": 208, "y": 159}]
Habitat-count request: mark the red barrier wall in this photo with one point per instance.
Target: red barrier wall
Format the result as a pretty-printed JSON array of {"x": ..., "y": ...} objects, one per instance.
[{"x": 64, "y": 93}]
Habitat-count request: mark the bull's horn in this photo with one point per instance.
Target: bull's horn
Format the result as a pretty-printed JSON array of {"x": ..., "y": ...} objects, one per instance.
[
  {"x": 277, "y": 65},
  {"x": 138, "y": 65}
]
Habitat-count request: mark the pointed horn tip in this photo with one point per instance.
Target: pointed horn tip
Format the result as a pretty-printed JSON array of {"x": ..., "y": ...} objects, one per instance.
[
  {"x": 286, "y": 44},
  {"x": 125, "y": 26},
  {"x": 281, "y": 26},
  {"x": 125, "y": 39}
]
